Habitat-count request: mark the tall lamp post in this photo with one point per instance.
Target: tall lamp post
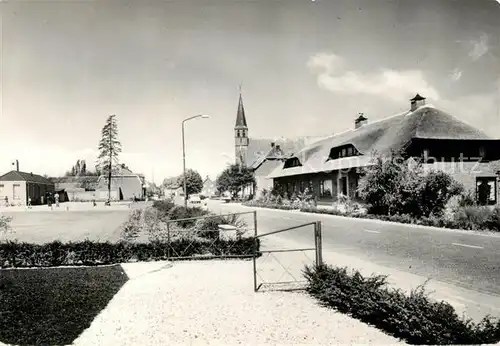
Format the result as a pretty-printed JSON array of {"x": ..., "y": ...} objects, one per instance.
[{"x": 204, "y": 116}]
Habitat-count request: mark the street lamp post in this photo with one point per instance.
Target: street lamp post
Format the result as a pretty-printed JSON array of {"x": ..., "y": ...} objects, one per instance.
[{"x": 204, "y": 116}]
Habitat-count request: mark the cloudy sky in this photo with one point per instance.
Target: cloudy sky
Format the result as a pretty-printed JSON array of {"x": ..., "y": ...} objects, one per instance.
[{"x": 306, "y": 68}]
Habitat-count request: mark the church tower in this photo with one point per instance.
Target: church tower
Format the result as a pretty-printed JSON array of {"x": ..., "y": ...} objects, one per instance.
[{"x": 241, "y": 135}]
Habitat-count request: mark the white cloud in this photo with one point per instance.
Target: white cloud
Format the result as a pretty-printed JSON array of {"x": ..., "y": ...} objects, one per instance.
[
  {"x": 456, "y": 74},
  {"x": 332, "y": 74},
  {"x": 479, "y": 47}
]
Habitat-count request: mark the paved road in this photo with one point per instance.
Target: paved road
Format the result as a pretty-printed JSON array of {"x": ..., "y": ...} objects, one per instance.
[{"x": 462, "y": 259}]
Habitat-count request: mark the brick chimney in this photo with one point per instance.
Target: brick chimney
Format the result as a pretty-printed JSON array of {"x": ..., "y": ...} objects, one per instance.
[
  {"x": 416, "y": 102},
  {"x": 360, "y": 121}
]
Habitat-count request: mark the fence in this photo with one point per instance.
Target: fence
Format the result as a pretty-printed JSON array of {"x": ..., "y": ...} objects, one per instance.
[
  {"x": 217, "y": 242},
  {"x": 295, "y": 284}
]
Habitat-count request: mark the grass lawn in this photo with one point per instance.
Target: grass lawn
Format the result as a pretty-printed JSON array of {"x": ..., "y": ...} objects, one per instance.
[
  {"x": 54, "y": 306},
  {"x": 46, "y": 226}
]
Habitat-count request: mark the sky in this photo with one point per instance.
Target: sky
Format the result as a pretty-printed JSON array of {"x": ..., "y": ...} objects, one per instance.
[{"x": 306, "y": 68}]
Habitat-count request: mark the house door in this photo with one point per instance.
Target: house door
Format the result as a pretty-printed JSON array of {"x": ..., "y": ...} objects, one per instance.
[{"x": 343, "y": 186}]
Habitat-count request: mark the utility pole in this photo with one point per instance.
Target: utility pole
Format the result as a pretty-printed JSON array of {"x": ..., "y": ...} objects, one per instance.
[{"x": 110, "y": 161}]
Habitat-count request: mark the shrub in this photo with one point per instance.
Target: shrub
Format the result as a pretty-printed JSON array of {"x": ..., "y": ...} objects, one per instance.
[
  {"x": 163, "y": 206},
  {"x": 471, "y": 217},
  {"x": 493, "y": 221},
  {"x": 394, "y": 187},
  {"x": 181, "y": 212},
  {"x": 15, "y": 254},
  {"x": 414, "y": 318},
  {"x": 270, "y": 205},
  {"x": 209, "y": 226},
  {"x": 132, "y": 227}
]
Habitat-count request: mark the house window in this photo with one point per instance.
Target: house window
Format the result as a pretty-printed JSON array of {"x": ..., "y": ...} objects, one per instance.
[
  {"x": 344, "y": 152},
  {"x": 302, "y": 186},
  {"x": 15, "y": 191},
  {"x": 486, "y": 190},
  {"x": 1, "y": 189},
  {"x": 350, "y": 151},
  {"x": 325, "y": 188},
  {"x": 482, "y": 152}
]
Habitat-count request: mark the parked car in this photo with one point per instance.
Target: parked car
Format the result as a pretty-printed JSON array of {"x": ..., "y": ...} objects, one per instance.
[{"x": 194, "y": 199}]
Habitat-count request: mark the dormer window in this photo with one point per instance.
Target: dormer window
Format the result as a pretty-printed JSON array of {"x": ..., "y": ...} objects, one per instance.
[
  {"x": 344, "y": 151},
  {"x": 292, "y": 162}
]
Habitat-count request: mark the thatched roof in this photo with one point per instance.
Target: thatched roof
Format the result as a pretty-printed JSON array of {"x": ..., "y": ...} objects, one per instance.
[
  {"x": 381, "y": 137},
  {"x": 260, "y": 149}
]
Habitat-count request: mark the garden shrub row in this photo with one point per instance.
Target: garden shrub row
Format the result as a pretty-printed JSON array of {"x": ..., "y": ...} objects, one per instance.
[
  {"x": 16, "y": 254},
  {"x": 270, "y": 205},
  {"x": 466, "y": 218},
  {"x": 414, "y": 318}
]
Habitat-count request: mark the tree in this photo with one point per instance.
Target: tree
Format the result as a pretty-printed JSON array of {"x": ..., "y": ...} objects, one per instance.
[
  {"x": 194, "y": 183},
  {"x": 109, "y": 149},
  {"x": 83, "y": 169},
  {"x": 234, "y": 178},
  {"x": 396, "y": 186}
]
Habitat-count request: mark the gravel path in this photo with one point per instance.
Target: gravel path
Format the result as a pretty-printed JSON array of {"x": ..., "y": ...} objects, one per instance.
[{"x": 212, "y": 302}]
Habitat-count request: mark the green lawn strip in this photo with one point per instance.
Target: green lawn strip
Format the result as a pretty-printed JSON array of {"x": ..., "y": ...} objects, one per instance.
[{"x": 53, "y": 306}]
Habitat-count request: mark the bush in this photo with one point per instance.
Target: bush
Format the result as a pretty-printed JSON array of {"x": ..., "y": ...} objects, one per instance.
[
  {"x": 393, "y": 187},
  {"x": 15, "y": 254},
  {"x": 209, "y": 226},
  {"x": 163, "y": 207},
  {"x": 275, "y": 205},
  {"x": 181, "y": 212},
  {"x": 415, "y": 318}
]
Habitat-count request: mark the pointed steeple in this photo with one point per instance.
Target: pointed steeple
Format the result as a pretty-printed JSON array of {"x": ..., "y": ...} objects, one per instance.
[{"x": 241, "y": 121}]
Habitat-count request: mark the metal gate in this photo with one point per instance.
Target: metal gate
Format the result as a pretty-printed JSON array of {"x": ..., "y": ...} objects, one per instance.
[{"x": 295, "y": 283}]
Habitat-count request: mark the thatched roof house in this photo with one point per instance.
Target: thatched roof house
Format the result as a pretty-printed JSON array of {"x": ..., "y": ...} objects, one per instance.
[{"x": 421, "y": 131}]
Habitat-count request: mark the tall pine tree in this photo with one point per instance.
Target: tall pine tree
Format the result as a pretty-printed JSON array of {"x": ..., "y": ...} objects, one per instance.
[{"x": 109, "y": 150}]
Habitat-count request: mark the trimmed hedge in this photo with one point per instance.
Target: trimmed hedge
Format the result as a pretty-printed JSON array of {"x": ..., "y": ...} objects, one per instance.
[
  {"x": 414, "y": 318},
  {"x": 14, "y": 254},
  {"x": 466, "y": 220},
  {"x": 269, "y": 205}
]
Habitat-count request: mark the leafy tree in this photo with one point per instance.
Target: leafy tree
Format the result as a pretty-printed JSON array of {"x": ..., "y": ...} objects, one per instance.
[
  {"x": 234, "y": 178},
  {"x": 396, "y": 186},
  {"x": 109, "y": 149},
  {"x": 194, "y": 183}
]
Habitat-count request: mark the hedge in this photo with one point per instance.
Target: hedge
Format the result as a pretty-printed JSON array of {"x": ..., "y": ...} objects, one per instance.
[
  {"x": 492, "y": 223},
  {"x": 270, "y": 205},
  {"x": 414, "y": 318},
  {"x": 15, "y": 254}
]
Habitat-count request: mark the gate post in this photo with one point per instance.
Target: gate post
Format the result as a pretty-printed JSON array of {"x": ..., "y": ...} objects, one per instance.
[
  {"x": 318, "y": 243},
  {"x": 168, "y": 239},
  {"x": 255, "y": 239}
]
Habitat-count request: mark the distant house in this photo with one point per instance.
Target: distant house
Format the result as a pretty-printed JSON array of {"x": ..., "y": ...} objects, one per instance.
[
  {"x": 209, "y": 188},
  {"x": 125, "y": 185},
  {"x": 331, "y": 167},
  {"x": 18, "y": 186},
  {"x": 173, "y": 190}
]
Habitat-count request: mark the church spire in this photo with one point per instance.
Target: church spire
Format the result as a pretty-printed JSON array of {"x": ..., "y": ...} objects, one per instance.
[
  {"x": 241, "y": 139},
  {"x": 241, "y": 121}
]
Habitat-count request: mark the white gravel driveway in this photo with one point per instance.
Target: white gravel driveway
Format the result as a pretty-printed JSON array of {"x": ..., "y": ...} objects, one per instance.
[{"x": 213, "y": 302}]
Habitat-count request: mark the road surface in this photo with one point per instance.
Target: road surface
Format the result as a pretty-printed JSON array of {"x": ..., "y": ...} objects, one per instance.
[{"x": 464, "y": 260}]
